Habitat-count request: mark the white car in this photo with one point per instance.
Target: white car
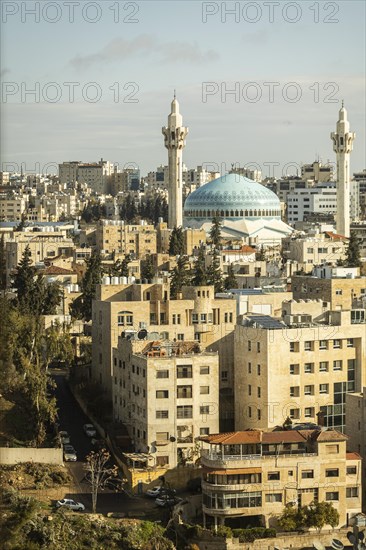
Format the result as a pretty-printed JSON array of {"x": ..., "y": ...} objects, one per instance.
[
  {"x": 69, "y": 503},
  {"x": 165, "y": 501},
  {"x": 69, "y": 454},
  {"x": 155, "y": 492},
  {"x": 65, "y": 438},
  {"x": 89, "y": 430}
]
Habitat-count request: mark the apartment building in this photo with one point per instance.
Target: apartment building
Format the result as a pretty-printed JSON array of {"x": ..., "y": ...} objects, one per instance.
[
  {"x": 195, "y": 316},
  {"x": 300, "y": 367},
  {"x": 338, "y": 286},
  {"x": 315, "y": 249},
  {"x": 95, "y": 174},
  {"x": 356, "y": 427},
  {"x": 253, "y": 475},
  {"x": 302, "y": 202},
  {"x": 166, "y": 393},
  {"x": 12, "y": 207},
  {"x": 136, "y": 240}
]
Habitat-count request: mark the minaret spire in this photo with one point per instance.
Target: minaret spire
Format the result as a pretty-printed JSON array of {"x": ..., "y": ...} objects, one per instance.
[
  {"x": 174, "y": 140},
  {"x": 343, "y": 145}
]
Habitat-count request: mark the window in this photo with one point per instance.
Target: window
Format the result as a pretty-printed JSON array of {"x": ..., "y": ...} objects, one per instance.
[
  {"x": 249, "y": 345},
  {"x": 309, "y": 390},
  {"x": 274, "y": 497},
  {"x": 332, "y": 495},
  {"x": 162, "y": 414},
  {"x": 162, "y": 460},
  {"x": 337, "y": 365},
  {"x": 184, "y": 392},
  {"x": 204, "y": 390},
  {"x": 332, "y": 472},
  {"x": 176, "y": 319},
  {"x": 162, "y": 394},
  {"x": 323, "y": 388},
  {"x": 205, "y": 409},
  {"x": 258, "y": 392},
  {"x": 336, "y": 344},
  {"x": 351, "y": 470},
  {"x": 204, "y": 431},
  {"x": 307, "y": 474},
  {"x": 258, "y": 347},
  {"x": 323, "y": 344},
  {"x": 294, "y": 346},
  {"x": 249, "y": 389},
  {"x": 272, "y": 476},
  {"x": 295, "y": 413},
  {"x": 309, "y": 346},
  {"x": 259, "y": 414},
  {"x": 185, "y": 411},
  {"x": 162, "y": 436},
  {"x": 308, "y": 367},
  {"x": 323, "y": 366},
  {"x": 250, "y": 368},
  {"x": 258, "y": 370},
  {"x": 352, "y": 492},
  {"x": 294, "y": 369},
  {"x": 309, "y": 412},
  {"x": 180, "y": 337},
  {"x": 184, "y": 371},
  {"x": 331, "y": 449},
  {"x": 194, "y": 318},
  {"x": 338, "y": 292},
  {"x": 349, "y": 342},
  {"x": 224, "y": 376},
  {"x": 125, "y": 318},
  {"x": 204, "y": 370},
  {"x": 294, "y": 391},
  {"x": 203, "y": 318},
  {"x": 162, "y": 374}
]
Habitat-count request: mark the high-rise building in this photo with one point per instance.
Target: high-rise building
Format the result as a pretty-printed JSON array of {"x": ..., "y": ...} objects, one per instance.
[
  {"x": 343, "y": 145},
  {"x": 174, "y": 140}
]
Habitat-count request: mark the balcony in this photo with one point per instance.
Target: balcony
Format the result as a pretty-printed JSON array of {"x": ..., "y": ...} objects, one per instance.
[{"x": 213, "y": 459}]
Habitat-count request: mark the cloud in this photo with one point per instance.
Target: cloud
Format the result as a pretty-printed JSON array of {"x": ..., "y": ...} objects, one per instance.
[{"x": 145, "y": 44}]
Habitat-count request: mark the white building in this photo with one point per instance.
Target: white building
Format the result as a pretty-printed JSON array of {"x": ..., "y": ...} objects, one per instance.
[{"x": 301, "y": 202}]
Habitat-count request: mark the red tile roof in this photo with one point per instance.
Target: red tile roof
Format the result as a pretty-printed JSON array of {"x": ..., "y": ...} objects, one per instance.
[
  {"x": 56, "y": 270},
  {"x": 353, "y": 456},
  {"x": 335, "y": 236},
  {"x": 232, "y": 438}
]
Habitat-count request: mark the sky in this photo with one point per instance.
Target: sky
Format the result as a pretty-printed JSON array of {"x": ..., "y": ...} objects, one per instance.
[{"x": 259, "y": 84}]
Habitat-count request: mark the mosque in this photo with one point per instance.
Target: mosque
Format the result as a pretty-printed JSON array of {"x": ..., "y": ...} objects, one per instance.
[{"x": 248, "y": 209}]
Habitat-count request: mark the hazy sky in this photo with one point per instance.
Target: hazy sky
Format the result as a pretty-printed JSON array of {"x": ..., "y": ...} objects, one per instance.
[{"x": 126, "y": 58}]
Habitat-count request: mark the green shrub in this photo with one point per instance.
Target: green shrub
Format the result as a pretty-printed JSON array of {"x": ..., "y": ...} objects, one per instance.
[{"x": 224, "y": 531}]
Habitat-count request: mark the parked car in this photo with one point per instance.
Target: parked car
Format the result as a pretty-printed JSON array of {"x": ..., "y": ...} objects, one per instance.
[
  {"x": 70, "y": 453},
  {"x": 165, "y": 501},
  {"x": 65, "y": 438},
  {"x": 153, "y": 493},
  {"x": 69, "y": 503},
  {"x": 89, "y": 430}
]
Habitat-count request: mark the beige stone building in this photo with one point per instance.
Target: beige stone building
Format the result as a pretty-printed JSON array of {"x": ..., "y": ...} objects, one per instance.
[
  {"x": 166, "y": 394},
  {"x": 316, "y": 249},
  {"x": 256, "y": 474},
  {"x": 136, "y": 240},
  {"x": 298, "y": 367},
  {"x": 340, "y": 292},
  {"x": 356, "y": 427},
  {"x": 196, "y": 316},
  {"x": 12, "y": 208}
]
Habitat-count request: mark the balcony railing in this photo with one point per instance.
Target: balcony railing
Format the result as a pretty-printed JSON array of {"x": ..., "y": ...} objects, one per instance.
[{"x": 224, "y": 457}]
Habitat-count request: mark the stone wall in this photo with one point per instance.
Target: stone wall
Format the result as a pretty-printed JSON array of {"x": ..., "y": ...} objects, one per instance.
[{"x": 14, "y": 455}]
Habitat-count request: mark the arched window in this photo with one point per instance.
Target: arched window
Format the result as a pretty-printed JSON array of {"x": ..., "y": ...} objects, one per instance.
[
  {"x": 237, "y": 213},
  {"x": 125, "y": 318},
  {"x": 222, "y": 213},
  {"x": 232, "y": 213},
  {"x": 241, "y": 214}
]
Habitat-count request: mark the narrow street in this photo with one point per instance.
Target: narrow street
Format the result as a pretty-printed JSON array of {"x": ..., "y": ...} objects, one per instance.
[{"x": 72, "y": 419}]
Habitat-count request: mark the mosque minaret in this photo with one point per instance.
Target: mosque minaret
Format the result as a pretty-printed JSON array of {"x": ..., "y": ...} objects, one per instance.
[
  {"x": 174, "y": 140},
  {"x": 343, "y": 145}
]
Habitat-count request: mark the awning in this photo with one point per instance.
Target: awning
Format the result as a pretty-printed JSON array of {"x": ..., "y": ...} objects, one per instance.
[{"x": 232, "y": 471}]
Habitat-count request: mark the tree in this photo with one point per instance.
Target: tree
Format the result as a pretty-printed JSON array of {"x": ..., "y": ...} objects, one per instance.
[
  {"x": 180, "y": 276},
  {"x": 261, "y": 255},
  {"x": 120, "y": 268},
  {"x": 319, "y": 514},
  {"x": 2, "y": 265},
  {"x": 147, "y": 269},
  {"x": 128, "y": 210},
  {"x": 24, "y": 281},
  {"x": 230, "y": 281},
  {"x": 214, "y": 274},
  {"x": 82, "y": 307},
  {"x": 353, "y": 251},
  {"x": 98, "y": 473},
  {"x": 292, "y": 518},
  {"x": 199, "y": 269},
  {"x": 176, "y": 242},
  {"x": 215, "y": 232}
]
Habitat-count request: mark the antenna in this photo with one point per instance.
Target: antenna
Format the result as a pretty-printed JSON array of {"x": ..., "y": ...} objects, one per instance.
[{"x": 175, "y": 95}]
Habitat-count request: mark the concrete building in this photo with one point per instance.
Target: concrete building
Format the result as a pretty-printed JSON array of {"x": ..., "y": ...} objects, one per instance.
[
  {"x": 254, "y": 475},
  {"x": 166, "y": 393},
  {"x": 340, "y": 287},
  {"x": 195, "y": 316},
  {"x": 174, "y": 140},
  {"x": 317, "y": 172},
  {"x": 342, "y": 145},
  {"x": 315, "y": 200},
  {"x": 299, "y": 367},
  {"x": 356, "y": 427},
  {"x": 12, "y": 207},
  {"x": 95, "y": 174}
]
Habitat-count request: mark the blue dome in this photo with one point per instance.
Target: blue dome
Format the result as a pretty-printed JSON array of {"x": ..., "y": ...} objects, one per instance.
[{"x": 232, "y": 197}]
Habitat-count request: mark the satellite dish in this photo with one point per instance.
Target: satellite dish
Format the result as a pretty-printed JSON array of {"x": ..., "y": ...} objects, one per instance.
[
  {"x": 172, "y": 439},
  {"x": 141, "y": 335},
  {"x": 337, "y": 544},
  {"x": 351, "y": 537},
  {"x": 318, "y": 545}
]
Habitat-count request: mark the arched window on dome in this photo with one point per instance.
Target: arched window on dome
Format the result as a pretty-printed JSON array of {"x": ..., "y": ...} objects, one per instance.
[
  {"x": 236, "y": 213},
  {"x": 232, "y": 213},
  {"x": 250, "y": 213},
  {"x": 241, "y": 214},
  {"x": 208, "y": 214},
  {"x": 222, "y": 213}
]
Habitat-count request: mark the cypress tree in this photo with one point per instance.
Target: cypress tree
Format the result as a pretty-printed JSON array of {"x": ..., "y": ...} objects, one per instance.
[{"x": 353, "y": 251}]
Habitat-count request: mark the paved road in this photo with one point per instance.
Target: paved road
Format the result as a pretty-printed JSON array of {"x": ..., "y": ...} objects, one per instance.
[{"x": 72, "y": 419}]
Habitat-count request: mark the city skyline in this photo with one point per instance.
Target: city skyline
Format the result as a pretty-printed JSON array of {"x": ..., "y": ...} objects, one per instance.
[{"x": 200, "y": 54}]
